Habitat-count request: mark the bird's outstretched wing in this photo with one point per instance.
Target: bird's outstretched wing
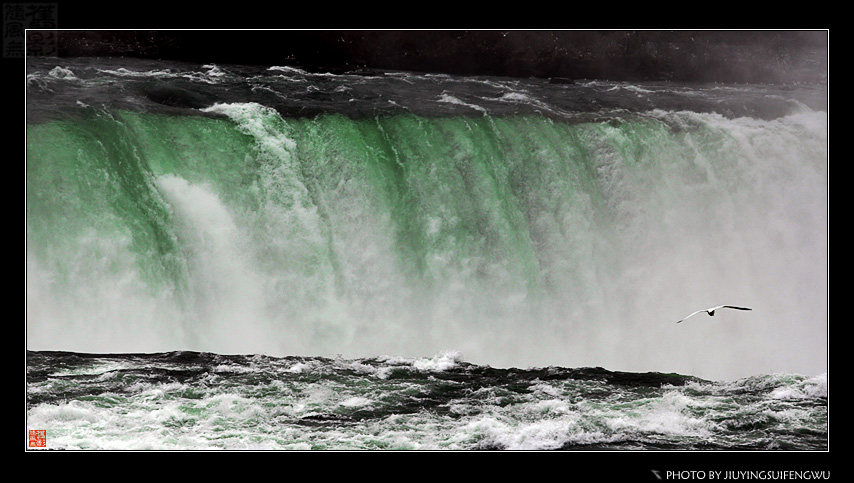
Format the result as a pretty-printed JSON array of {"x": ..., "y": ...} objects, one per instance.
[
  {"x": 695, "y": 313},
  {"x": 712, "y": 309}
]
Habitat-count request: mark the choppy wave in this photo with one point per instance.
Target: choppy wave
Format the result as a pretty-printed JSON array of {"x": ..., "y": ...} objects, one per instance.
[{"x": 187, "y": 400}]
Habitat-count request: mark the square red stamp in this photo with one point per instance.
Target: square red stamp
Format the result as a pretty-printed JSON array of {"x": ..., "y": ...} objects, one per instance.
[{"x": 37, "y": 438}]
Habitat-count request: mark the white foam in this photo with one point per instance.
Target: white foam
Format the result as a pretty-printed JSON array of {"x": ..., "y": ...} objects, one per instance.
[
  {"x": 440, "y": 362},
  {"x": 214, "y": 71},
  {"x": 811, "y": 388},
  {"x": 547, "y": 434},
  {"x": 62, "y": 73},
  {"x": 73, "y": 413},
  {"x": 447, "y": 98},
  {"x": 356, "y": 402},
  {"x": 298, "y": 368},
  {"x": 285, "y": 68},
  {"x": 123, "y": 72}
]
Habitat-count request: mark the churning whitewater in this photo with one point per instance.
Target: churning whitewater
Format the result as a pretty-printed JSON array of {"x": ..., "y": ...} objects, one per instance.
[
  {"x": 190, "y": 400},
  {"x": 243, "y": 257}
]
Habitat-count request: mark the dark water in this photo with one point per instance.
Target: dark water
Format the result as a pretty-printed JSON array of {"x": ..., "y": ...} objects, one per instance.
[
  {"x": 191, "y": 400},
  {"x": 421, "y": 261},
  {"x": 176, "y": 87}
]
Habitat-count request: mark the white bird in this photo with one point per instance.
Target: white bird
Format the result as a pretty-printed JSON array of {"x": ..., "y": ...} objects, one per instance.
[{"x": 711, "y": 311}]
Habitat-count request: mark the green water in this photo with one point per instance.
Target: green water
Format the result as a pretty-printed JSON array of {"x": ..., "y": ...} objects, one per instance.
[{"x": 246, "y": 229}]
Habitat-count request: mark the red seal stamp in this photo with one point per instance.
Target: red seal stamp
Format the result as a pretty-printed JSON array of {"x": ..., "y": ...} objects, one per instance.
[{"x": 37, "y": 438}]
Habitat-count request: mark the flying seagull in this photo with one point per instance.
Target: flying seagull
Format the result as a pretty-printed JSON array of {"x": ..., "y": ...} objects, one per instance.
[{"x": 711, "y": 311}]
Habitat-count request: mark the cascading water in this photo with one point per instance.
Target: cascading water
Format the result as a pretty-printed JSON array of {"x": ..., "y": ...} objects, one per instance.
[{"x": 515, "y": 239}]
